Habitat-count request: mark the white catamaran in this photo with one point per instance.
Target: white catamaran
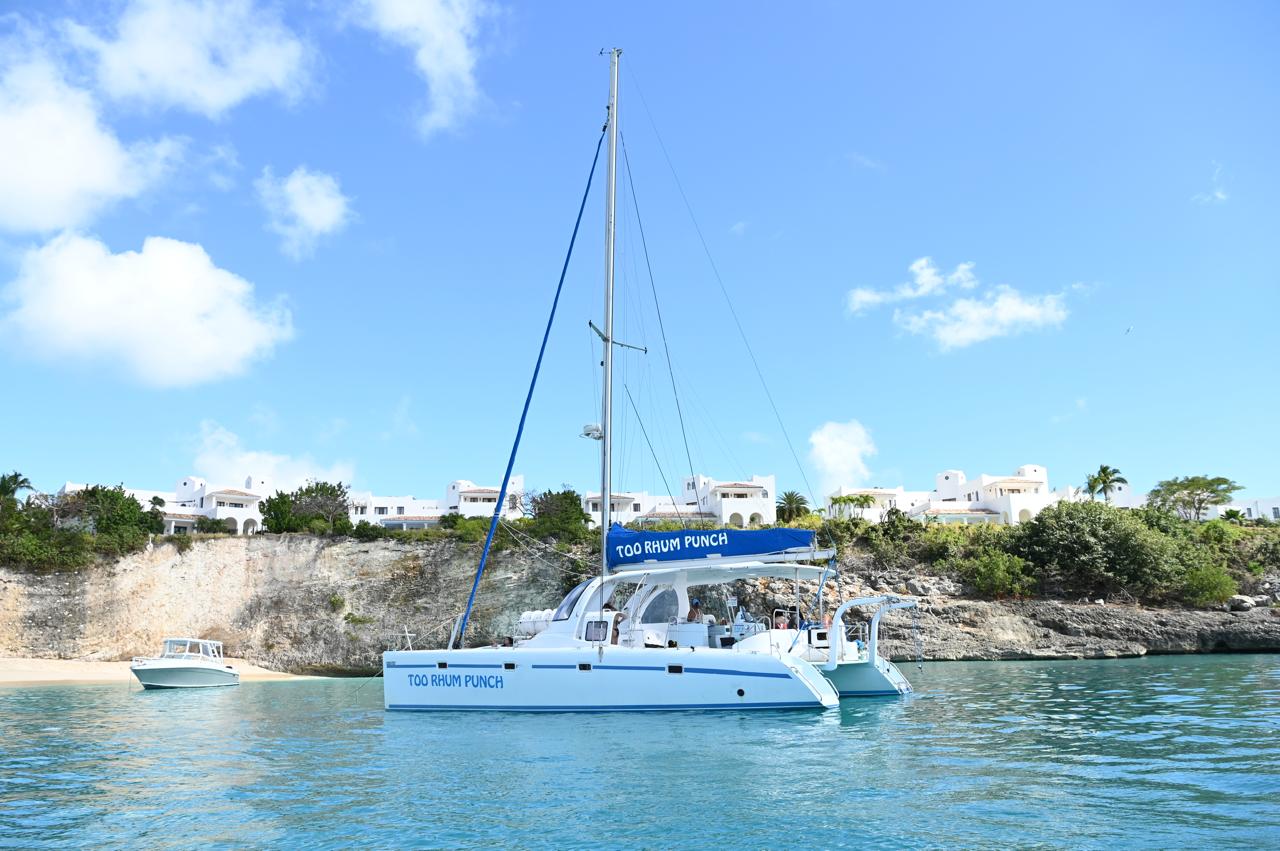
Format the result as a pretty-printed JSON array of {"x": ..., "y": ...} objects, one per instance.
[{"x": 654, "y": 649}]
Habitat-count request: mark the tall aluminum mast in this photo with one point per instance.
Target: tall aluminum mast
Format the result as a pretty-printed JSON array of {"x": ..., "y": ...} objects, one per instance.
[{"x": 606, "y": 444}]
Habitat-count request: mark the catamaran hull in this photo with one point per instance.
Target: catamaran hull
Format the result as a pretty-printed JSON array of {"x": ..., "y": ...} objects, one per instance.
[
  {"x": 595, "y": 679},
  {"x": 154, "y": 676},
  {"x": 865, "y": 679}
]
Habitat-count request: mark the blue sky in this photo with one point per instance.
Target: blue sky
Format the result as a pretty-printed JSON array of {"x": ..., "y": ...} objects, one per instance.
[{"x": 320, "y": 239}]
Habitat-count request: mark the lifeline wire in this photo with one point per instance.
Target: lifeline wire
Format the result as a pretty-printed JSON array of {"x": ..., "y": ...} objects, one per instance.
[{"x": 533, "y": 382}]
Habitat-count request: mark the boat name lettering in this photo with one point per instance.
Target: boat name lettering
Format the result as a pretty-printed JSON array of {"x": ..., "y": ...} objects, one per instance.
[
  {"x": 456, "y": 680},
  {"x": 661, "y": 546}
]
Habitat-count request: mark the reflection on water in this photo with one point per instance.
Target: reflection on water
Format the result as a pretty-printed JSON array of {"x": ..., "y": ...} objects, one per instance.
[{"x": 1146, "y": 752}]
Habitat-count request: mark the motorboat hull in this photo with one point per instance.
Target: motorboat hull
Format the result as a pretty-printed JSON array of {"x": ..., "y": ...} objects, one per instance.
[
  {"x": 158, "y": 674},
  {"x": 599, "y": 678}
]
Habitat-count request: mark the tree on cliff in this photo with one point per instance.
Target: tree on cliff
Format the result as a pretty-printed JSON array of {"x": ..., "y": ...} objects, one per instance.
[
  {"x": 559, "y": 515},
  {"x": 325, "y": 500},
  {"x": 1191, "y": 496},
  {"x": 318, "y": 507}
]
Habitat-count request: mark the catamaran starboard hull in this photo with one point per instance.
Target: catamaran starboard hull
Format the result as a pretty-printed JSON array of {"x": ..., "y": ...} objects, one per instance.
[
  {"x": 865, "y": 679},
  {"x": 594, "y": 678}
]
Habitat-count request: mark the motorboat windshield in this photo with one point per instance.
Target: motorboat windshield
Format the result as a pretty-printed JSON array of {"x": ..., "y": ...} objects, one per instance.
[{"x": 191, "y": 648}]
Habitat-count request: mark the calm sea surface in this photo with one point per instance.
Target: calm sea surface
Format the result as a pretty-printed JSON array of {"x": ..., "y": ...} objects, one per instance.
[{"x": 1156, "y": 752}]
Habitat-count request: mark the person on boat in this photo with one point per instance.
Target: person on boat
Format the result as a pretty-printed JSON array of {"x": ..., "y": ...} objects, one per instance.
[
  {"x": 780, "y": 622},
  {"x": 695, "y": 611},
  {"x": 617, "y": 623}
]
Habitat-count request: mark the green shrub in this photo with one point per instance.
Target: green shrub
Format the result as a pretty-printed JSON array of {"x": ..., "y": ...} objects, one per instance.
[
  {"x": 319, "y": 526},
  {"x": 357, "y": 620},
  {"x": 1207, "y": 585},
  {"x": 942, "y": 542},
  {"x": 996, "y": 574},
  {"x": 1092, "y": 547},
  {"x": 366, "y": 531},
  {"x": 210, "y": 526},
  {"x": 181, "y": 542},
  {"x": 336, "y": 602}
]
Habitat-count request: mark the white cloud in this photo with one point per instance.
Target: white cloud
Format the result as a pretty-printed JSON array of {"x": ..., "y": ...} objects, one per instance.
[
  {"x": 738, "y": 228},
  {"x": 865, "y": 161},
  {"x": 926, "y": 280},
  {"x": 59, "y": 164},
  {"x": 1001, "y": 313},
  {"x": 441, "y": 34},
  {"x": 302, "y": 207},
  {"x": 221, "y": 458},
  {"x": 840, "y": 452},
  {"x": 166, "y": 314},
  {"x": 401, "y": 424},
  {"x": 1216, "y": 195},
  {"x": 205, "y": 56},
  {"x": 221, "y": 164}
]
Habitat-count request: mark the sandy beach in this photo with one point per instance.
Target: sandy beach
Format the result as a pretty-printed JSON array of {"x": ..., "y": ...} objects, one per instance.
[{"x": 79, "y": 672}]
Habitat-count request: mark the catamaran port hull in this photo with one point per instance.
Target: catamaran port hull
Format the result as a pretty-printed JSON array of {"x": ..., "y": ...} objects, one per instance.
[{"x": 599, "y": 678}]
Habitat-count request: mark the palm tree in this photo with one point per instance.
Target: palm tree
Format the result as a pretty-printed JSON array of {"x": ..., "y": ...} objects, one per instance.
[
  {"x": 1233, "y": 515},
  {"x": 1106, "y": 480},
  {"x": 1091, "y": 486},
  {"x": 792, "y": 505},
  {"x": 11, "y": 483}
]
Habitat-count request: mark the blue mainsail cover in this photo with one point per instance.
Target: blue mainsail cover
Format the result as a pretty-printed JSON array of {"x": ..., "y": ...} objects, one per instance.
[{"x": 627, "y": 546}]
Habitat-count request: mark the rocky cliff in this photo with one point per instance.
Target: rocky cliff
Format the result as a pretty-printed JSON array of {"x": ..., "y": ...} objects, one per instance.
[{"x": 303, "y": 604}]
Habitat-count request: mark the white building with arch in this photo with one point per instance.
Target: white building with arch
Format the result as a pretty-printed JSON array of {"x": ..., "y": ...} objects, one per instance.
[
  {"x": 238, "y": 508},
  {"x": 702, "y": 499},
  {"x": 955, "y": 498}
]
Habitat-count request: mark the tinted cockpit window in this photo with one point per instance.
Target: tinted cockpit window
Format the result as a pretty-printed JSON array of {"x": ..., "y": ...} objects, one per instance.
[
  {"x": 662, "y": 608},
  {"x": 571, "y": 600}
]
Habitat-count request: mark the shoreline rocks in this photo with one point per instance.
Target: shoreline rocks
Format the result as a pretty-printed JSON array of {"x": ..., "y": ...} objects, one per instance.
[{"x": 302, "y": 604}]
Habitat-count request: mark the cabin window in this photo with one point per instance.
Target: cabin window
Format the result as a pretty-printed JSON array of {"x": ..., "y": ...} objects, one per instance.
[
  {"x": 571, "y": 600},
  {"x": 662, "y": 608},
  {"x": 597, "y": 631}
]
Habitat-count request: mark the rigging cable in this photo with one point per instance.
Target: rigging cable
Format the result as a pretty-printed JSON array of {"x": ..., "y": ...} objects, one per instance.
[
  {"x": 656, "y": 462},
  {"x": 533, "y": 382},
  {"x": 723, "y": 291},
  {"x": 626, "y": 159}
]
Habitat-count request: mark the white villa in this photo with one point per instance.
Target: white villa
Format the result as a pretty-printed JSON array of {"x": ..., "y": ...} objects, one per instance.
[
  {"x": 461, "y": 497},
  {"x": 958, "y": 499},
  {"x": 701, "y": 499},
  {"x": 239, "y": 509},
  {"x": 1252, "y": 509}
]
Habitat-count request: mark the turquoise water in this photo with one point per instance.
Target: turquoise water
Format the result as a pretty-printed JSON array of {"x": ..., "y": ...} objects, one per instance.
[{"x": 1154, "y": 753}]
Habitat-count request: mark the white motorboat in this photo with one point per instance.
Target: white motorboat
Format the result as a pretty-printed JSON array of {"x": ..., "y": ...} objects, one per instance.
[{"x": 185, "y": 663}]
